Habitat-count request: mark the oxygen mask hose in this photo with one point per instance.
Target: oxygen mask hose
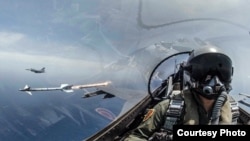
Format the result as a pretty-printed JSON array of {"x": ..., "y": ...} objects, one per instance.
[{"x": 217, "y": 107}]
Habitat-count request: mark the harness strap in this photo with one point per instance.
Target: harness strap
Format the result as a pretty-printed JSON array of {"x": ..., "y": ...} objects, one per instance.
[{"x": 174, "y": 112}]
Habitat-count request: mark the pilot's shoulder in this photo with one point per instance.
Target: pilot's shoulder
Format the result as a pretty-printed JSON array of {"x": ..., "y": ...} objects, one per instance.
[
  {"x": 162, "y": 106},
  {"x": 164, "y": 102}
]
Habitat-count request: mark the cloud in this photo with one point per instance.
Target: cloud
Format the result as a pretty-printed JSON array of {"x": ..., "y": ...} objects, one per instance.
[
  {"x": 162, "y": 11},
  {"x": 10, "y": 38}
]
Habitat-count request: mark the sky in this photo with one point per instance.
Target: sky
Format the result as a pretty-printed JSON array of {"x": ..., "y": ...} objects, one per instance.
[{"x": 79, "y": 39}]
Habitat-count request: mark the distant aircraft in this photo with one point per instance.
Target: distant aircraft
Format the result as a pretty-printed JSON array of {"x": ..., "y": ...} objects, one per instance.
[
  {"x": 42, "y": 70},
  {"x": 64, "y": 87}
]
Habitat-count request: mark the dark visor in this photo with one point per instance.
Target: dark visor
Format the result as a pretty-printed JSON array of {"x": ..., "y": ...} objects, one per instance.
[{"x": 211, "y": 64}]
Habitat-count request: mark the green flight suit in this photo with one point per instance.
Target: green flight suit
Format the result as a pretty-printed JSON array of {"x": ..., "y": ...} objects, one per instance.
[{"x": 194, "y": 114}]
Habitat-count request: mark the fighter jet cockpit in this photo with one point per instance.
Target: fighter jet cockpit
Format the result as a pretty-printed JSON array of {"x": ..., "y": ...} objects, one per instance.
[{"x": 106, "y": 61}]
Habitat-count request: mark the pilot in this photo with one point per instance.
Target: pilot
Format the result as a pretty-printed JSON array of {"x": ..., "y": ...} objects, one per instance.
[{"x": 207, "y": 75}]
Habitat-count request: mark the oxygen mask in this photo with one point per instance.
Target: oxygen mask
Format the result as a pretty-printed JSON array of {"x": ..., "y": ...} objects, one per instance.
[{"x": 211, "y": 87}]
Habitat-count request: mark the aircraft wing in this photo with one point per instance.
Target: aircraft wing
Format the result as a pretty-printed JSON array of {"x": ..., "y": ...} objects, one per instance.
[
  {"x": 246, "y": 95},
  {"x": 122, "y": 93},
  {"x": 244, "y": 109},
  {"x": 98, "y": 92}
]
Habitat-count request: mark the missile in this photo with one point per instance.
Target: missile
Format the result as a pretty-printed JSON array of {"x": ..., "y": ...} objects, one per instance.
[{"x": 63, "y": 87}]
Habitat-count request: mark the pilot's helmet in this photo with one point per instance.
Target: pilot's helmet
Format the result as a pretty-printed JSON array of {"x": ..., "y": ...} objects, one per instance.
[{"x": 208, "y": 67}]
